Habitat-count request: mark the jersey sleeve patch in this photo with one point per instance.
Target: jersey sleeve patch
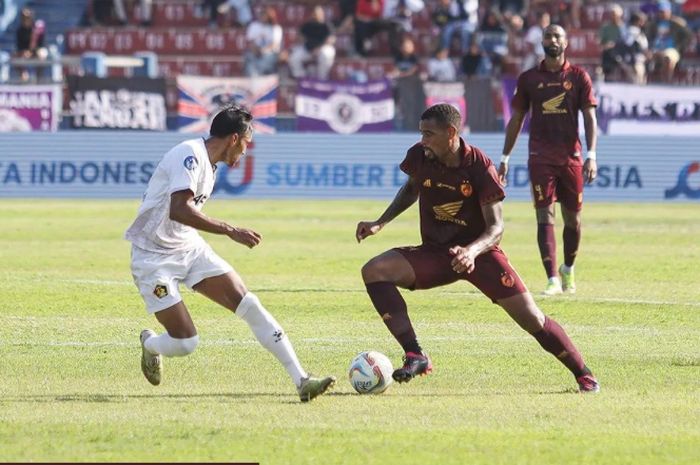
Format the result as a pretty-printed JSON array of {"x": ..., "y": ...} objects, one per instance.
[{"x": 190, "y": 163}]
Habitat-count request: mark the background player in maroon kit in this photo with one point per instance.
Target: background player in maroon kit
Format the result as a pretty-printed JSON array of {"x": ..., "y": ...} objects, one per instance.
[
  {"x": 555, "y": 92},
  {"x": 461, "y": 226}
]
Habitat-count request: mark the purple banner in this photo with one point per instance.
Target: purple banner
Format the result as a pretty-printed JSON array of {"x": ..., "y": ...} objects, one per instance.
[
  {"x": 447, "y": 92},
  {"x": 345, "y": 108},
  {"x": 29, "y": 108}
]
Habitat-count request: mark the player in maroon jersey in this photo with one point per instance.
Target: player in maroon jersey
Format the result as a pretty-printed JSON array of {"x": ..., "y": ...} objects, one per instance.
[
  {"x": 554, "y": 92},
  {"x": 461, "y": 225}
]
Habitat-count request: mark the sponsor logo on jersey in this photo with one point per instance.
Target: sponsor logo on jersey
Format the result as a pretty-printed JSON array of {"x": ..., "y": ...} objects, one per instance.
[
  {"x": 551, "y": 106},
  {"x": 507, "y": 280},
  {"x": 448, "y": 211},
  {"x": 446, "y": 186},
  {"x": 466, "y": 189},
  {"x": 190, "y": 163},
  {"x": 160, "y": 291}
]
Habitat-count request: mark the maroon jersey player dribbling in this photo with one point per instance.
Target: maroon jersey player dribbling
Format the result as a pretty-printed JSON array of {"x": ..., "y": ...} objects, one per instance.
[
  {"x": 554, "y": 92},
  {"x": 461, "y": 226}
]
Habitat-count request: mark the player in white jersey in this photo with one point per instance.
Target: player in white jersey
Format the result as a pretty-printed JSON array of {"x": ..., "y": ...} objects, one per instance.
[{"x": 167, "y": 250}]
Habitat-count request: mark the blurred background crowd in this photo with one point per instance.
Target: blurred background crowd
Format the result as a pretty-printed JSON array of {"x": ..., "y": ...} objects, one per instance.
[{"x": 638, "y": 42}]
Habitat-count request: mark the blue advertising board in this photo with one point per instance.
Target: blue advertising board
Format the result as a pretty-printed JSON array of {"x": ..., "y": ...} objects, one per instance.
[{"x": 119, "y": 165}]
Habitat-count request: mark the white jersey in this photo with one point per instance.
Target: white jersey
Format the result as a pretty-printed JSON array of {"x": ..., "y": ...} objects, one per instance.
[{"x": 185, "y": 167}]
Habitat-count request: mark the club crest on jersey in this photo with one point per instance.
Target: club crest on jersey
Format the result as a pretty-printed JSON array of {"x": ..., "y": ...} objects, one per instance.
[
  {"x": 466, "y": 189},
  {"x": 507, "y": 280},
  {"x": 190, "y": 163},
  {"x": 568, "y": 85},
  {"x": 160, "y": 291}
]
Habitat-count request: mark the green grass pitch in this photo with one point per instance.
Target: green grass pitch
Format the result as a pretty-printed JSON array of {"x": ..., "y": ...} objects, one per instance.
[{"x": 71, "y": 387}]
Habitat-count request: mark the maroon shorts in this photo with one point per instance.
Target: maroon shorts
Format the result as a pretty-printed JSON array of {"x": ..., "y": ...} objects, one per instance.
[
  {"x": 550, "y": 183},
  {"x": 493, "y": 275}
]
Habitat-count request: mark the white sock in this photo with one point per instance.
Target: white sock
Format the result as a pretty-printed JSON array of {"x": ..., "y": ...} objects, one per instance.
[
  {"x": 170, "y": 346},
  {"x": 567, "y": 269},
  {"x": 270, "y": 335}
]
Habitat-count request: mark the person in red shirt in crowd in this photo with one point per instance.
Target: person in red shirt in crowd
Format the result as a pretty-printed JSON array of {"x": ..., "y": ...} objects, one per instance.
[
  {"x": 461, "y": 225},
  {"x": 554, "y": 92},
  {"x": 691, "y": 12}
]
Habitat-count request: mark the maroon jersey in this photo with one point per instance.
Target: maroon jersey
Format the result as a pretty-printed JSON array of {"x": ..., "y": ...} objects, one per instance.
[
  {"x": 451, "y": 198},
  {"x": 555, "y": 99}
]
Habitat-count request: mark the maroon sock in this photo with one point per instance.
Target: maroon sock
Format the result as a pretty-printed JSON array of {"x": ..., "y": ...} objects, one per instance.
[
  {"x": 392, "y": 308},
  {"x": 572, "y": 238},
  {"x": 548, "y": 248},
  {"x": 554, "y": 340}
]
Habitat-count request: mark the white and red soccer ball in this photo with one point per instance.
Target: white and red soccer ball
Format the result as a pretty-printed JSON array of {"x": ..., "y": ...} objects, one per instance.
[{"x": 370, "y": 372}]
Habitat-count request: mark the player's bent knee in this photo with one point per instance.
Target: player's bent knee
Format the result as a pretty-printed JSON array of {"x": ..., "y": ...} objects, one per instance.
[
  {"x": 372, "y": 271},
  {"x": 182, "y": 347}
]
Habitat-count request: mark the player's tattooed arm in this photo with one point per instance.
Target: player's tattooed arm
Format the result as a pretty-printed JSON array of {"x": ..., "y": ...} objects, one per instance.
[
  {"x": 405, "y": 197},
  {"x": 464, "y": 257},
  {"x": 182, "y": 210}
]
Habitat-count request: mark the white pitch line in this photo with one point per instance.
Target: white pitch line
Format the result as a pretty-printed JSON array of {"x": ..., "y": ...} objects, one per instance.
[
  {"x": 467, "y": 293},
  {"x": 320, "y": 342},
  {"x": 107, "y": 282}
]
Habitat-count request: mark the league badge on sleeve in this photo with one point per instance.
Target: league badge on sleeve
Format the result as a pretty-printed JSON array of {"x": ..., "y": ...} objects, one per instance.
[{"x": 191, "y": 163}]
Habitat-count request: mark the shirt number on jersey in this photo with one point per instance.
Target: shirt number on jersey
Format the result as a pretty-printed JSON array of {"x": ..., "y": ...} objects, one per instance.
[{"x": 200, "y": 199}]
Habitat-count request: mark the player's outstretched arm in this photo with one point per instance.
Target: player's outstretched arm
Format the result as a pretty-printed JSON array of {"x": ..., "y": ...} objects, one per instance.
[
  {"x": 515, "y": 125},
  {"x": 405, "y": 197},
  {"x": 182, "y": 210},
  {"x": 493, "y": 232}
]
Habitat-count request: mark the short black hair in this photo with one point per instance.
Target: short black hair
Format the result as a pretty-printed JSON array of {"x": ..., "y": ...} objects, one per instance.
[
  {"x": 444, "y": 114},
  {"x": 233, "y": 119}
]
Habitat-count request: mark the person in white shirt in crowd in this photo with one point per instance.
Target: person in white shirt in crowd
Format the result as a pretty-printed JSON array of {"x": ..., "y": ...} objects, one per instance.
[
  {"x": 457, "y": 17},
  {"x": 167, "y": 251},
  {"x": 636, "y": 47},
  {"x": 244, "y": 14},
  {"x": 534, "y": 53},
  {"x": 397, "y": 20},
  {"x": 316, "y": 49},
  {"x": 441, "y": 68},
  {"x": 264, "y": 38},
  {"x": 146, "y": 11}
]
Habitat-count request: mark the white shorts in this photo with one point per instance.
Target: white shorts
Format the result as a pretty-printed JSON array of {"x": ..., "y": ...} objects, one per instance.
[{"x": 158, "y": 275}]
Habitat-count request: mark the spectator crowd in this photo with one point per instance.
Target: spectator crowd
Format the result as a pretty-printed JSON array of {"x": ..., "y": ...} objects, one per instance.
[{"x": 640, "y": 42}]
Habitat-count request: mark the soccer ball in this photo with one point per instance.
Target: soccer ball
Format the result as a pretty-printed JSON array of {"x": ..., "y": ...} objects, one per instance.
[{"x": 370, "y": 372}]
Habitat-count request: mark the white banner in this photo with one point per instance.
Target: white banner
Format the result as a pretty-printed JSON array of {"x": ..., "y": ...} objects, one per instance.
[{"x": 660, "y": 110}]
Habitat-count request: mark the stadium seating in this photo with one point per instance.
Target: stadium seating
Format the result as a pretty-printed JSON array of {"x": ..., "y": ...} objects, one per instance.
[{"x": 186, "y": 44}]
